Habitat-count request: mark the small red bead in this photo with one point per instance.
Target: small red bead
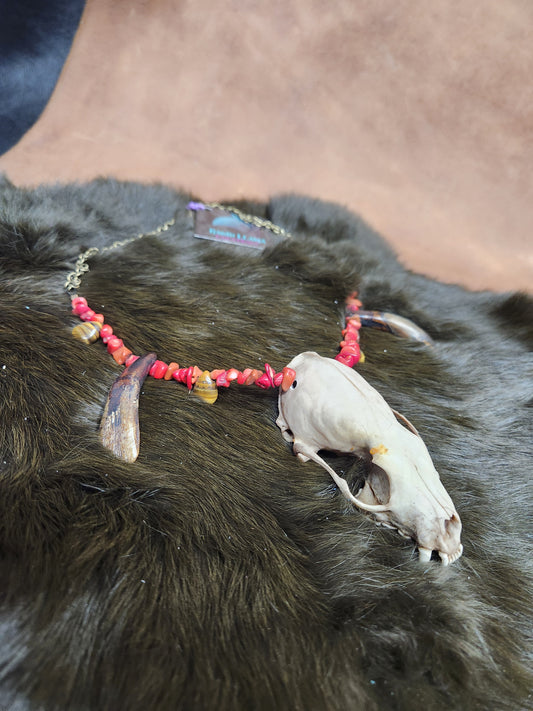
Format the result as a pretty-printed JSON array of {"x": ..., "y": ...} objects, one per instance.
[
  {"x": 252, "y": 376},
  {"x": 196, "y": 372},
  {"x": 269, "y": 372},
  {"x": 263, "y": 381},
  {"x": 78, "y": 300},
  {"x": 158, "y": 369},
  {"x": 190, "y": 370},
  {"x": 121, "y": 355},
  {"x": 288, "y": 378},
  {"x": 106, "y": 332},
  {"x": 87, "y": 315},
  {"x": 181, "y": 375},
  {"x": 222, "y": 380},
  {"x": 172, "y": 368},
  {"x": 351, "y": 349},
  {"x": 351, "y": 336},
  {"x": 346, "y": 359},
  {"x": 99, "y": 318},
  {"x": 113, "y": 343},
  {"x": 215, "y": 373},
  {"x": 131, "y": 359},
  {"x": 232, "y": 374},
  {"x": 278, "y": 379},
  {"x": 241, "y": 378}
]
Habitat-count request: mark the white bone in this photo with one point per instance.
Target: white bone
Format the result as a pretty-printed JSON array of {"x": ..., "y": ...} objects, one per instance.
[{"x": 333, "y": 408}]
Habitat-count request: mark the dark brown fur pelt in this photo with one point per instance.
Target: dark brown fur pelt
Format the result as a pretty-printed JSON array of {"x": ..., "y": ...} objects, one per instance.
[{"x": 217, "y": 571}]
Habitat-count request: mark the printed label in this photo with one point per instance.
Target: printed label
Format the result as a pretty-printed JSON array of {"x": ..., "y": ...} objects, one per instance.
[{"x": 222, "y": 225}]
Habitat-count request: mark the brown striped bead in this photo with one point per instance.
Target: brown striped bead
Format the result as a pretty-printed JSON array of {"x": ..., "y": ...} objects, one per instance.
[
  {"x": 87, "y": 332},
  {"x": 205, "y": 388}
]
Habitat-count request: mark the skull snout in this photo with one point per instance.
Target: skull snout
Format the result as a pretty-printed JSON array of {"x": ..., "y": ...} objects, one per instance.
[{"x": 445, "y": 540}]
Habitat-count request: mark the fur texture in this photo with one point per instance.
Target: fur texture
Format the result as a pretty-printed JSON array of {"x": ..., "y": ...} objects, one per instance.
[{"x": 218, "y": 572}]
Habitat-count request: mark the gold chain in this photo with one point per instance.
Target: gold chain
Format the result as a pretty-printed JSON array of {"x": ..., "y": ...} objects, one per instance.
[{"x": 81, "y": 266}]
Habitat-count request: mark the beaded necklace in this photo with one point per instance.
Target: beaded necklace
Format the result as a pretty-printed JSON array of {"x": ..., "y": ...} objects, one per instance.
[{"x": 203, "y": 382}]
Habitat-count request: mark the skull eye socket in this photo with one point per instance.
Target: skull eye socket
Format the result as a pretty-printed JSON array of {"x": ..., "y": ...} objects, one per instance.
[{"x": 294, "y": 384}]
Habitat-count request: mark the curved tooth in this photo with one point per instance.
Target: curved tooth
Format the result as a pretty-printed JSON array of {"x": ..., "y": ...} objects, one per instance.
[
  {"x": 119, "y": 429},
  {"x": 445, "y": 558},
  {"x": 424, "y": 555}
]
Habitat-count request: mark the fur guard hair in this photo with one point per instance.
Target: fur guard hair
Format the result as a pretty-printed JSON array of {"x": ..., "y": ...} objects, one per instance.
[{"x": 217, "y": 571}]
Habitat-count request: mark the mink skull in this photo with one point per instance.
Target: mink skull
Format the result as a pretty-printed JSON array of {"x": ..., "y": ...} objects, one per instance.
[{"x": 331, "y": 407}]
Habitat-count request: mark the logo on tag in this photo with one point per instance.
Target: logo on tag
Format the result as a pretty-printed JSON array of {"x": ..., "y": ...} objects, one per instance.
[{"x": 224, "y": 225}]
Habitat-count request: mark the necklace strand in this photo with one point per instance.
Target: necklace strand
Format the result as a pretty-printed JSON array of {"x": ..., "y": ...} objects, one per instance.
[{"x": 203, "y": 382}]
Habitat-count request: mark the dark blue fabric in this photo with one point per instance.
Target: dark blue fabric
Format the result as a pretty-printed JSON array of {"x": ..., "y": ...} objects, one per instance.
[{"x": 35, "y": 39}]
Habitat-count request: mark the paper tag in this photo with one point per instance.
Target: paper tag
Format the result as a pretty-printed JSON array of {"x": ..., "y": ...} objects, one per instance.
[{"x": 223, "y": 225}]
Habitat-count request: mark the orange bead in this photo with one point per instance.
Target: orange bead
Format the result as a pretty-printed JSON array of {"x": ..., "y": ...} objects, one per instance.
[
  {"x": 232, "y": 374},
  {"x": 172, "y": 367},
  {"x": 121, "y": 355},
  {"x": 252, "y": 377},
  {"x": 288, "y": 378}
]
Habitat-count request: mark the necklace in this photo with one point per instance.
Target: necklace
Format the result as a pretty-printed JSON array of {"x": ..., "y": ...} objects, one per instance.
[{"x": 346, "y": 414}]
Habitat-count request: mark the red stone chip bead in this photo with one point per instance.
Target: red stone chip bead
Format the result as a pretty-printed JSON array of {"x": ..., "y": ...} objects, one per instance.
[
  {"x": 106, "y": 332},
  {"x": 130, "y": 359},
  {"x": 289, "y": 376},
  {"x": 158, "y": 369},
  {"x": 87, "y": 315},
  {"x": 172, "y": 368},
  {"x": 232, "y": 374},
  {"x": 113, "y": 343},
  {"x": 121, "y": 355}
]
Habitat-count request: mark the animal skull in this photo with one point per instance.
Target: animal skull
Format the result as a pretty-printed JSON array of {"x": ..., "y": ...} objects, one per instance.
[{"x": 330, "y": 406}]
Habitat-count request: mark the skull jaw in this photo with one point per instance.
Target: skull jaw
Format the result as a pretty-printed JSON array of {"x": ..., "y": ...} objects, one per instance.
[{"x": 430, "y": 530}]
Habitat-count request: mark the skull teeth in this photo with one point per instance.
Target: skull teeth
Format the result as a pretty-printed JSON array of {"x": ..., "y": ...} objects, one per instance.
[{"x": 424, "y": 555}]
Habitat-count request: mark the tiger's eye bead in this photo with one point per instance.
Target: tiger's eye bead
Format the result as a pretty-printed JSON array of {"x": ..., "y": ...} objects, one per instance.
[
  {"x": 121, "y": 355},
  {"x": 158, "y": 369},
  {"x": 205, "y": 388},
  {"x": 172, "y": 367},
  {"x": 87, "y": 332}
]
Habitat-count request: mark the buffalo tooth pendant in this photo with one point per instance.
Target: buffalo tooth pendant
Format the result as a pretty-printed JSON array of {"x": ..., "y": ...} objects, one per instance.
[
  {"x": 206, "y": 388},
  {"x": 119, "y": 429}
]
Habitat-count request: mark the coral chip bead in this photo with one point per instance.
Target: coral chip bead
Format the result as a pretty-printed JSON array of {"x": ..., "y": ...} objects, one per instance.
[
  {"x": 121, "y": 355},
  {"x": 252, "y": 376},
  {"x": 288, "y": 378},
  {"x": 106, "y": 332},
  {"x": 222, "y": 380},
  {"x": 158, "y": 369},
  {"x": 232, "y": 374},
  {"x": 346, "y": 359},
  {"x": 113, "y": 343},
  {"x": 172, "y": 367},
  {"x": 87, "y": 315},
  {"x": 263, "y": 381},
  {"x": 130, "y": 359}
]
